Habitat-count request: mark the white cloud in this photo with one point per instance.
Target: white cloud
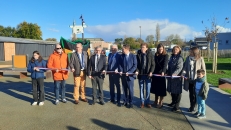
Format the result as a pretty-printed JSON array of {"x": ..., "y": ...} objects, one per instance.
[
  {"x": 223, "y": 29},
  {"x": 148, "y": 26},
  {"x": 53, "y": 29}
]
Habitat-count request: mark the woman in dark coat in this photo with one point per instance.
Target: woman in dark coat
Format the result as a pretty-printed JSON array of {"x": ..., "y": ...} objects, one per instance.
[
  {"x": 175, "y": 66},
  {"x": 159, "y": 83}
]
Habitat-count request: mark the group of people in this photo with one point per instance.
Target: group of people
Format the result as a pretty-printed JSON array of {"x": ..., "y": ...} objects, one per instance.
[{"x": 156, "y": 73}]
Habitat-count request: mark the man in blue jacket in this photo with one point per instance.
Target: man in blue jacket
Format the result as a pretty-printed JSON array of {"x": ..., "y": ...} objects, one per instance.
[
  {"x": 127, "y": 68},
  {"x": 114, "y": 77}
]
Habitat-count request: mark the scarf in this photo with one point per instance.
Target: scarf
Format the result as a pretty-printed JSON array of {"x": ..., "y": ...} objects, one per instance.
[{"x": 201, "y": 79}]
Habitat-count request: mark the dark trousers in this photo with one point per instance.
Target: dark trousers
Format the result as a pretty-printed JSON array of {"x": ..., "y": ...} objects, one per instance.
[
  {"x": 114, "y": 80},
  {"x": 38, "y": 89},
  {"x": 176, "y": 99},
  {"x": 192, "y": 96},
  {"x": 97, "y": 81},
  {"x": 128, "y": 88}
]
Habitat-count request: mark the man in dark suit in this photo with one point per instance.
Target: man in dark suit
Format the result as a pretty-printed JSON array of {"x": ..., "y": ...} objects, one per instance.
[
  {"x": 96, "y": 72},
  {"x": 128, "y": 65},
  {"x": 114, "y": 77}
]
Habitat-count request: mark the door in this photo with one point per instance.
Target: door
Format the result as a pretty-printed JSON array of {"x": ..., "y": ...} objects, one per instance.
[{"x": 9, "y": 50}]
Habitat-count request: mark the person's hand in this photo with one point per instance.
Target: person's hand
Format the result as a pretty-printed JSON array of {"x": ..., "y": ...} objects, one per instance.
[
  {"x": 150, "y": 74},
  {"x": 34, "y": 68},
  {"x": 121, "y": 73},
  {"x": 103, "y": 72},
  {"x": 127, "y": 74},
  {"x": 90, "y": 77},
  {"x": 116, "y": 71},
  {"x": 56, "y": 70},
  {"x": 37, "y": 69},
  {"x": 136, "y": 73},
  {"x": 174, "y": 75},
  {"x": 162, "y": 74},
  {"x": 72, "y": 70}
]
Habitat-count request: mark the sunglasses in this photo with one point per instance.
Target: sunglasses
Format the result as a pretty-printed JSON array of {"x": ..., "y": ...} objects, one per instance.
[{"x": 58, "y": 48}]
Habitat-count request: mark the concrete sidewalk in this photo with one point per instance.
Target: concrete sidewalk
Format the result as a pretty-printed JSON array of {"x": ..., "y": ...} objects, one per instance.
[
  {"x": 17, "y": 113},
  {"x": 218, "y": 111}
]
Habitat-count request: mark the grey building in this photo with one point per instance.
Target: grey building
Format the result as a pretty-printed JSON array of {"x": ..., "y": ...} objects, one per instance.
[{"x": 18, "y": 46}]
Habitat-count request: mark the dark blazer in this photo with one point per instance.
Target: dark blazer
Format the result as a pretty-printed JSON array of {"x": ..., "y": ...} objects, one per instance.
[
  {"x": 150, "y": 63},
  {"x": 131, "y": 65},
  {"x": 115, "y": 61},
  {"x": 75, "y": 63},
  {"x": 102, "y": 65}
]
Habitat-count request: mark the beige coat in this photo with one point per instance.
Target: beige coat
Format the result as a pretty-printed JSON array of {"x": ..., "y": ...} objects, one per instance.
[{"x": 200, "y": 64}]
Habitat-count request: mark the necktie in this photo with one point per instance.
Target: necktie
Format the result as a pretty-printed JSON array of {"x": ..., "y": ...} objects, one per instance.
[
  {"x": 96, "y": 62},
  {"x": 111, "y": 61}
]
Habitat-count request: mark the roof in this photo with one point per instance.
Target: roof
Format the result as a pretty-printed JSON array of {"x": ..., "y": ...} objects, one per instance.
[
  {"x": 94, "y": 39},
  {"x": 23, "y": 40}
]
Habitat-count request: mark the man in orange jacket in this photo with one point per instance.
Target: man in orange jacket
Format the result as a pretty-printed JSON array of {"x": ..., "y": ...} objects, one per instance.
[{"x": 58, "y": 62}]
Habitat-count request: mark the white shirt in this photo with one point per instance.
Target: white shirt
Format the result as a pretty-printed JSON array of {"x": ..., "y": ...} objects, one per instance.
[{"x": 96, "y": 61}]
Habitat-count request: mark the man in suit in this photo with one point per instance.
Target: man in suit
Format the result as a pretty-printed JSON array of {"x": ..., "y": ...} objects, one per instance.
[
  {"x": 114, "y": 77},
  {"x": 127, "y": 68},
  {"x": 78, "y": 65},
  {"x": 96, "y": 72}
]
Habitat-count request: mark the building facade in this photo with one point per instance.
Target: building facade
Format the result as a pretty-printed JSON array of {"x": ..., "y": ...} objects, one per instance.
[
  {"x": 99, "y": 42},
  {"x": 18, "y": 46},
  {"x": 224, "y": 41}
]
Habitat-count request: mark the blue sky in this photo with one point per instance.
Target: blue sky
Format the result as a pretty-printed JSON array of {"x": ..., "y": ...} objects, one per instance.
[{"x": 110, "y": 19}]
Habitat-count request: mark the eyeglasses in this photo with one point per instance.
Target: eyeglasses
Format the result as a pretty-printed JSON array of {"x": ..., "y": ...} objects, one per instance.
[{"x": 58, "y": 48}]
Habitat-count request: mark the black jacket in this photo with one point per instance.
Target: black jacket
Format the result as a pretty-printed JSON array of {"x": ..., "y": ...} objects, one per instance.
[
  {"x": 150, "y": 62},
  {"x": 102, "y": 65}
]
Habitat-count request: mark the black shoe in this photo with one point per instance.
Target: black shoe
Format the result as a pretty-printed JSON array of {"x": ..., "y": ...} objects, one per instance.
[
  {"x": 93, "y": 103},
  {"x": 175, "y": 109},
  {"x": 102, "y": 102},
  {"x": 131, "y": 106},
  {"x": 191, "y": 110},
  {"x": 113, "y": 101},
  {"x": 125, "y": 104},
  {"x": 171, "y": 105},
  {"x": 119, "y": 104}
]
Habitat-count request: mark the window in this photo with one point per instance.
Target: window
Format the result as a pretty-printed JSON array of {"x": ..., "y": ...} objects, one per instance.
[
  {"x": 227, "y": 41},
  {"x": 220, "y": 42}
]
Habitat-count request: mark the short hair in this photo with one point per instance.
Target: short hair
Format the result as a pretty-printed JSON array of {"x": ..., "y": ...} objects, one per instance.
[
  {"x": 144, "y": 44},
  {"x": 196, "y": 52},
  {"x": 114, "y": 45},
  {"x": 201, "y": 71},
  {"x": 164, "y": 50},
  {"x": 58, "y": 44},
  {"x": 79, "y": 43},
  {"x": 98, "y": 47},
  {"x": 177, "y": 47},
  {"x": 126, "y": 46}
]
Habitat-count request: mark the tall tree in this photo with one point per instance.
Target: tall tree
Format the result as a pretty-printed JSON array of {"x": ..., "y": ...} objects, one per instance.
[
  {"x": 132, "y": 42},
  {"x": 175, "y": 39},
  {"x": 157, "y": 32},
  {"x": 29, "y": 30},
  {"x": 150, "y": 39},
  {"x": 7, "y": 31},
  {"x": 139, "y": 40}
]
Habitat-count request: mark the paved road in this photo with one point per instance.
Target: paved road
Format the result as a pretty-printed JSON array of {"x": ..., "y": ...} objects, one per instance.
[{"x": 17, "y": 113}]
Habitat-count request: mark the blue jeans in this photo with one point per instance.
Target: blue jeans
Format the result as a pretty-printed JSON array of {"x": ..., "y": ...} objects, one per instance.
[
  {"x": 59, "y": 83},
  {"x": 201, "y": 105},
  {"x": 147, "y": 81}
]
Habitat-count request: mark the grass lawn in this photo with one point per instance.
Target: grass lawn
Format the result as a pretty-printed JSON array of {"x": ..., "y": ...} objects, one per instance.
[{"x": 223, "y": 70}]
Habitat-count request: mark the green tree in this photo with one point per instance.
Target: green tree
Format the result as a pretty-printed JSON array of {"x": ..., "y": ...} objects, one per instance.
[
  {"x": 132, "y": 42},
  {"x": 118, "y": 40},
  {"x": 150, "y": 39},
  {"x": 7, "y": 31},
  {"x": 139, "y": 40},
  {"x": 29, "y": 30},
  {"x": 51, "y": 39},
  {"x": 175, "y": 39}
]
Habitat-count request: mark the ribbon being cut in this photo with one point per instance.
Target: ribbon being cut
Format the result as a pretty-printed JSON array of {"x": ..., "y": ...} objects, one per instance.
[{"x": 112, "y": 72}]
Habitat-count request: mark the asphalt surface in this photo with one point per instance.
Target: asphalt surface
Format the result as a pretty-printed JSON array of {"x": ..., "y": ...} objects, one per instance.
[{"x": 18, "y": 114}]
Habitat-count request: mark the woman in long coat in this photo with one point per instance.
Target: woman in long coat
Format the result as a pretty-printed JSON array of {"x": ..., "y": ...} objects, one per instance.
[
  {"x": 175, "y": 66},
  {"x": 159, "y": 83},
  {"x": 193, "y": 63}
]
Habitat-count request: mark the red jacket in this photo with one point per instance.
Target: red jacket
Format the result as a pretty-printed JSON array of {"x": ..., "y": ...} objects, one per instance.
[{"x": 58, "y": 61}]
